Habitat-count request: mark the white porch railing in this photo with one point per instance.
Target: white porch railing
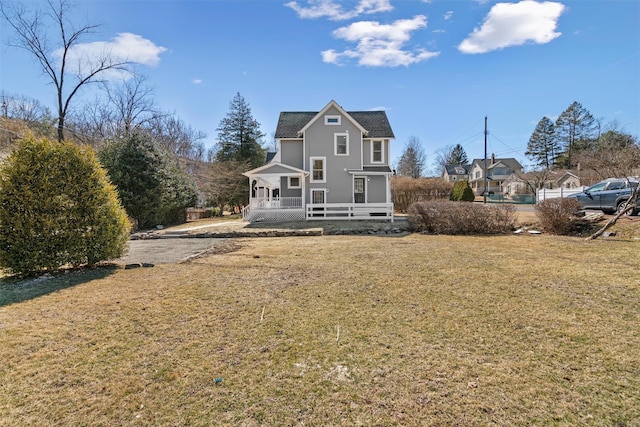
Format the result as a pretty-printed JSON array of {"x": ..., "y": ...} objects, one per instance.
[
  {"x": 349, "y": 211},
  {"x": 276, "y": 203}
]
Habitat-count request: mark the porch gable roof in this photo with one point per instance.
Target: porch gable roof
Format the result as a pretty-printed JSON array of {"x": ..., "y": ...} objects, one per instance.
[{"x": 264, "y": 170}]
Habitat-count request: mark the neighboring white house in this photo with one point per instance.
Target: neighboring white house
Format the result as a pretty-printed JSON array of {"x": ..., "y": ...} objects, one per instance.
[{"x": 331, "y": 164}]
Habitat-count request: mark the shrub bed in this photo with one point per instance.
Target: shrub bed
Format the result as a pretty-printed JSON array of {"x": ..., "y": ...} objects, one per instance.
[
  {"x": 558, "y": 216},
  {"x": 446, "y": 217}
]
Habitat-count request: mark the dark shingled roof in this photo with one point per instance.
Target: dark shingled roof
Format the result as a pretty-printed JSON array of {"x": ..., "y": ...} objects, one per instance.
[
  {"x": 457, "y": 169},
  {"x": 375, "y": 122},
  {"x": 270, "y": 156}
]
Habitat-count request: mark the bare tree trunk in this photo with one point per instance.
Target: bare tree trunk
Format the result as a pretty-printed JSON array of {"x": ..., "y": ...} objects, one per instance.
[{"x": 630, "y": 205}]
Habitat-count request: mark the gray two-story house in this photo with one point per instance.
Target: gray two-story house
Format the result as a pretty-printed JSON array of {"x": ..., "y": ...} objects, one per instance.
[{"x": 330, "y": 164}]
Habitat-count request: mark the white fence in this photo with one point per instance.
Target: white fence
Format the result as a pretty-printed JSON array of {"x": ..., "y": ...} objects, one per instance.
[
  {"x": 350, "y": 211},
  {"x": 545, "y": 193}
]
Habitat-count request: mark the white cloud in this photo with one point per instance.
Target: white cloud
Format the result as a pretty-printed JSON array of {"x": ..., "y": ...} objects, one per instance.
[
  {"x": 196, "y": 81},
  {"x": 448, "y": 15},
  {"x": 334, "y": 11},
  {"x": 125, "y": 47},
  {"x": 380, "y": 45},
  {"x": 514, "y": 24}
]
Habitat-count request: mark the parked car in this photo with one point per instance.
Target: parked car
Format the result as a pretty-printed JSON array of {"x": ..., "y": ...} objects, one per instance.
[{"x": 609, "y": 195}]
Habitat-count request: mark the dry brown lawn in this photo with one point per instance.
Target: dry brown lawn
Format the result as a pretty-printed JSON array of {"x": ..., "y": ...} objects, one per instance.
[{"x": 334, "y": 330}]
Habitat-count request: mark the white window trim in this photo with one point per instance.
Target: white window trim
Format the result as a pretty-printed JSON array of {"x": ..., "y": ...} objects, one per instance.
[
  {"x": 335, "y": 143},
  {"x": 328, "y": 117},
  {"x": 324, "y": 169},
  {"x": 291, "y": 186},
  {"x": 381, "y": 151}
]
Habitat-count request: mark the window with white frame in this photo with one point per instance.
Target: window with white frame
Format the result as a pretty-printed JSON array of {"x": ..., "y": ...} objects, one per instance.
[
  {"x": 294, "y": 182},
  {"x": 341, "y": 144},
  {"x": 332, "y": 120},
  {"x": 377, "y": 153},
  {"x": 318, "y": 169}
]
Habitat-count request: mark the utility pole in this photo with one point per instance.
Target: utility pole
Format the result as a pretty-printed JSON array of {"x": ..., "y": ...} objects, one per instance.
[{"x": 484, "y": 191}]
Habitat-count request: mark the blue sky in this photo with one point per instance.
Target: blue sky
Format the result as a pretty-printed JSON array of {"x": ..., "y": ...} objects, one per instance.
[{"x": 437, "y": 67}]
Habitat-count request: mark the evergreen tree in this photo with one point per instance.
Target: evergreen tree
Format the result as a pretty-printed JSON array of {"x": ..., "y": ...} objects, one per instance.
[
  {"x": 576, "y": 130},
  {"x": 457, "y": 156},
  {"x": 543, "y": 147},
  {"x": 239, "y": 135},
  {"x": 153, "y": 186},
  {"x": 412, "y": 160},
  {"x": 57, "y": 208}
]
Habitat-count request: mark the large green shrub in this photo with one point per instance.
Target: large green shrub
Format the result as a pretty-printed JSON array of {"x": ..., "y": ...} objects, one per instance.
[
  {"x": 57, "y": 207},
  {"x": 461, "y": 192},
  {"x": 153, "y": 186}
]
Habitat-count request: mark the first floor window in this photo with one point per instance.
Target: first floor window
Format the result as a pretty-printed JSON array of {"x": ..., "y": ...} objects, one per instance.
[
  {"x": 318, "y": 169},
  {"x": 317, "y": 197},
  {"x": 294, "y": 182}
]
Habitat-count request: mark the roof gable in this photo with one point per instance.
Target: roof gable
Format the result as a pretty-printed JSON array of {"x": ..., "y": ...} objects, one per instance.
[
  {"x": 332, "y": 104},
  {"x": 374, "y": 124}
]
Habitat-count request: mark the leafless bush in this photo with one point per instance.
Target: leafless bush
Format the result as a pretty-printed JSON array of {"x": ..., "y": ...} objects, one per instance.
[
  {"x": 446, "y": 217},
  {"x": 406, "y": 191},
  {"x": 558, "y": 216}
]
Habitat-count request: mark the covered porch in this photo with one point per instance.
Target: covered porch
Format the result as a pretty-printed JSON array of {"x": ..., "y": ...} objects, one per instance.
[{"x": 276, "y": 193}]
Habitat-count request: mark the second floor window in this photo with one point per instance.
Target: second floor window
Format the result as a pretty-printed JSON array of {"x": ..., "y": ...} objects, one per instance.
[
  {"x": 318, "y": 169},
  {"x": 341, "y": 143},
  {"x": 376, "y": 152}
]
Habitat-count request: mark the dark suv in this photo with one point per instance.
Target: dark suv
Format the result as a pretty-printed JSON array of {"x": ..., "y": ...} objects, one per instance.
[{"x": 608, "y": 196}]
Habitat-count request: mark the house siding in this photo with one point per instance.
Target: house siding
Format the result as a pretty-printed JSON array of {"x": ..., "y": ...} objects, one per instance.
[
  {"x": 376, "y": 189},
  {"x": 291, "y": 153}
]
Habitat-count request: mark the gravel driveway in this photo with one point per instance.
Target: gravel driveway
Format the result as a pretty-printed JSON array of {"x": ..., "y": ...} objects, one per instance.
[{"x": 166, "y": 251}]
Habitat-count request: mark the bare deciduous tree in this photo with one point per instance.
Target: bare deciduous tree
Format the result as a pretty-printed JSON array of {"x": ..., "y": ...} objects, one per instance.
[
  {"x": 133, "y": 103},
  {"x": 55, "y": 53}
]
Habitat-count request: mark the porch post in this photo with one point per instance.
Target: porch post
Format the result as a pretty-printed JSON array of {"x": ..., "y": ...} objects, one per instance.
[{"x": 304, "y": 192}]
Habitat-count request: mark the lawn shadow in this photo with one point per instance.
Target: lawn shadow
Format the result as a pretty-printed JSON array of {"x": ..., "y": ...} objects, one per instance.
[{"x": 15, "y": 290}]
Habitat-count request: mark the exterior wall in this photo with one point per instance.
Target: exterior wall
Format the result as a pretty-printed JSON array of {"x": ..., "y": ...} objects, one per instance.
[
  {"x": 376, "y": 189},
  {"x": 319, "y": 142},
  {"x": 367, "y": 148},
  {"x": 285, "y": 191},
  {"x": 291, "y": 153}
]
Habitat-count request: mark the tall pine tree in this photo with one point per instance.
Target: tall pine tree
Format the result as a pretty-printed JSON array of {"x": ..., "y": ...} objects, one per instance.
[
  {"x": 458, "y": 156},
  {"x": 239, "y": 135},
  {"x": 576, "y": 131},
  {"x": 543, "y": 146}
]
